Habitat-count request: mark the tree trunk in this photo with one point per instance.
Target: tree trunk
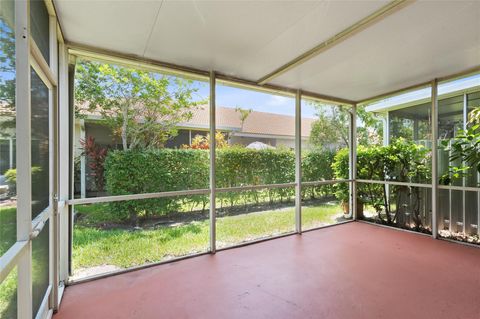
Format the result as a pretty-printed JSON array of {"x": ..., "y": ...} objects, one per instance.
[{"x": 124, "y": 128}]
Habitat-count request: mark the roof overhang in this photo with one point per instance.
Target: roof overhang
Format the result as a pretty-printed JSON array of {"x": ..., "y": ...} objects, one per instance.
[
  {"x": 343, "y": 51},
  {"x": 445, "y": 90}
]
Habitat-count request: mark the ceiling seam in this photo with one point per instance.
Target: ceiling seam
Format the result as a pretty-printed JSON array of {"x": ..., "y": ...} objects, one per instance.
[
  {"x": 296, "y": 22},
  {"x": 350, "y": 31},
  {"x": 151, "y": 30}
]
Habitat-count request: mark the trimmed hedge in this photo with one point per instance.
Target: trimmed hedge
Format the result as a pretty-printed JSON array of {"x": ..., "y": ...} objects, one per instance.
[
  {"x": 160, "y": 170},
  {"x": 138, "y": 172}
]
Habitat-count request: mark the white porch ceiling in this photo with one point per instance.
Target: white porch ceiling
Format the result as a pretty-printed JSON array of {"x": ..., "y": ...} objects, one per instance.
[{"x": 249, "y": 39}]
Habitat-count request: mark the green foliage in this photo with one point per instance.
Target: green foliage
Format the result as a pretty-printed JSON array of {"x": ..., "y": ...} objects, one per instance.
[
  {"x": 148, "y": 171},
  {"x": 401, "y": 161},
  {"x": 239, "y": 166},
  {"x": 465, "y": 147},
  {"x": 370, "y": 129},
  {"x": 244, "y": 113},
  {"x": 317, "y": 166},
  {"x": 11, "y": 178},
  {"x": 7, "y": 69},
  {"x": 331, "y": 127},
  {"x": 141, "y": 107}
]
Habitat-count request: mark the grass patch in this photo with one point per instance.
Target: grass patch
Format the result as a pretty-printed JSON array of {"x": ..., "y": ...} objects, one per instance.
[
  {"x": 93, "y": 246},
  {"x": 8, "y": 228},
  {"x": 8, "y": 296}
]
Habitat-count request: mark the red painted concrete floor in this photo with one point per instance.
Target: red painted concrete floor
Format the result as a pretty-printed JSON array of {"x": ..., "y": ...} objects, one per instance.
[{"x": 353, "y": 270}]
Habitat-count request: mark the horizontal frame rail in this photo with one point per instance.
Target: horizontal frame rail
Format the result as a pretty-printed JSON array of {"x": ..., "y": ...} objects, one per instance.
[
  {"x": 459, "y": 188},
  {"x": 253, "y": 187},
  {"x": 10, "y": 258},
  {"x": 368, "y": 181},
  {"x": 118, "y": 198},
  {"x": 327, "y": 182}
]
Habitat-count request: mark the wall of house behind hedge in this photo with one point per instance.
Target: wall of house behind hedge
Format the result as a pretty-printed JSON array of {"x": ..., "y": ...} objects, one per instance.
[{"x": 160, "y": 170}]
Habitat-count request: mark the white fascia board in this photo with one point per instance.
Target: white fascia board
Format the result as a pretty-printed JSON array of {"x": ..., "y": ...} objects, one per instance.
[{"x": 465, "y": 85}]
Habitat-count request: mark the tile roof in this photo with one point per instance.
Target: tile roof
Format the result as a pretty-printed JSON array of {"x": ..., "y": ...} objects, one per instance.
[
  {"x": 261, "y": 123},
  {"x": 228, "y": 119}
]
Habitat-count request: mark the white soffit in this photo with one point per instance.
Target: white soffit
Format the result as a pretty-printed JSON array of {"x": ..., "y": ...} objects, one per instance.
[
  {"x": 115, "y": 25},
  {"x": 420, "y": 42},
  {"x": 249, "y": 39},
  {"x": 246, "y": 39}
]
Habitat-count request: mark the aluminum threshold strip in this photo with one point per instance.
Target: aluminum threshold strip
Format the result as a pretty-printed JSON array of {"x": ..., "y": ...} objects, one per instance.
[
  {"x": 368, "y": 181},
  {"x": 394, "y": 228},
  {"x": 135, "y": 268},
  {"x": 453, "y": 241},
  {"x": 458, "y": 242},
  {"x": 173, "y": 260},
  {"x": 359, "y": 26},
  {"x": 173, "y": 69}
]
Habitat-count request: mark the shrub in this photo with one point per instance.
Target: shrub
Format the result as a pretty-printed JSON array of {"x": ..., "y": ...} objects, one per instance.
[
  {"x": 401, "y": 161},
  {"x": 96, "y": 160},
  {"x": 239, "y": 166},
  {"x": 11, "y": 178},
  {"x": 150, "y": 171},
  {"x": 147, "y": 171},
  {"x": 317, "y": 166}
]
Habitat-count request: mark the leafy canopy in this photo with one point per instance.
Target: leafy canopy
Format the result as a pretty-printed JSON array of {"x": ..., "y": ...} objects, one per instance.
[
  {"x": 332, "y": 123},
  {"x": 141, "y": 107}
]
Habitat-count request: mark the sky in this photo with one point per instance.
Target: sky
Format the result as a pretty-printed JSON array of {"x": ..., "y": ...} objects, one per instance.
[{"x": 228, "y": 96}]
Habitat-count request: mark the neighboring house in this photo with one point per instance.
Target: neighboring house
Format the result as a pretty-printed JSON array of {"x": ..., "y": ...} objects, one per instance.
[{"x": 269, "y": 128}]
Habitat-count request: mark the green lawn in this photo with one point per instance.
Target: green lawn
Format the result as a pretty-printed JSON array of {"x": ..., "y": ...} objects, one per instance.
[
  {"x": 8, "y": 237},
  {"x": 8, "y": 228},
  {"x": 8, "y": 296},
  {"x": 126, "y": 248}
]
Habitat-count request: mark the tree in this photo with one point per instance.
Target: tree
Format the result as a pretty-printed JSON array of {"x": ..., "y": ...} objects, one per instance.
[
  {"x": 369, "y": 128},
  {"x": 244, "y": 113},
  {"x": 331, "y": 127},
  {"x": 465, "y": 147},
  {"x": 141, "y": 107},
  {"x": 7, "y": 70}
]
